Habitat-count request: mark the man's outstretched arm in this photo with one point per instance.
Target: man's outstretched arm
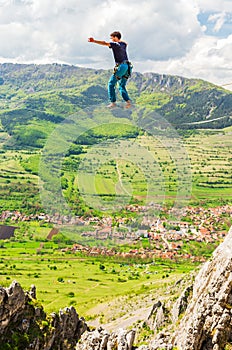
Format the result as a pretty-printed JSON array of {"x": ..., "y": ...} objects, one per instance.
[{"x": 99, "y": 42}]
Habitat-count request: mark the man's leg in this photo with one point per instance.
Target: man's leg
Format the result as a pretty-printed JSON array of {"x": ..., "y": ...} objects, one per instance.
[
  {"x": 122, "y": 89},
  {"x": 111, "y": 89}
]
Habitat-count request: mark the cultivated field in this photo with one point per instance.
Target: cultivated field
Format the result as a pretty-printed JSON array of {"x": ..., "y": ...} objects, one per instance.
[
  {"x": 88, "y": 283},
  {"x": 139, "y": 169}
]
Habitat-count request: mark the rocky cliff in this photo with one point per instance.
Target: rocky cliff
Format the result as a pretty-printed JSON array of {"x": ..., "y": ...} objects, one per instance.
[
  {"x": 207, "y": 323},
  {"x": 24, "y": 325}
]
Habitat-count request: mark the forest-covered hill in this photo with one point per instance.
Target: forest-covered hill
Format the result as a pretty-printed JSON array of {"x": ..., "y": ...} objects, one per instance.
[{"x": 33, "y": 98}]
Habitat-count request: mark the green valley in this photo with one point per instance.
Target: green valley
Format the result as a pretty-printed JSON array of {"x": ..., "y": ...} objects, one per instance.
[{"x": 111, "y": 183}]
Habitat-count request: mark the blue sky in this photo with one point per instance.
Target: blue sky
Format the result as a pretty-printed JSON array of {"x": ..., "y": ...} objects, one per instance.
[
  {"x": 190, "y": 38},
  {"x": 217, "y": 23}
]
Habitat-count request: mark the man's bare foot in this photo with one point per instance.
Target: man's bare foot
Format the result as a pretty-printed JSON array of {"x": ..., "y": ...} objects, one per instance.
[
  {"x": 128, "y": 104},
  {"x": 112, "y": 105}
]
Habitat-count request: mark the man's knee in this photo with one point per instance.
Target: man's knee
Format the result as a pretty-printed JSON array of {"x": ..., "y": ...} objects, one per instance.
[{"x": 112, "y": 83}]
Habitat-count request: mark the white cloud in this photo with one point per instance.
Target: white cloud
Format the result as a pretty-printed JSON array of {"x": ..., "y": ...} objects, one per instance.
[
  {"x": 218, "y": 19},
  {"x": 154, "y": 29},
  {"x": 164, "y": 36},
  {"x": 209, "y": 59},
  {"x": 215, "y": 5},
  {"x": 62, "y": 27}
]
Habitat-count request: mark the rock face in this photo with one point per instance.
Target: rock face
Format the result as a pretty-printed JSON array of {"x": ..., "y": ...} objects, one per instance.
[
  {"x": 207, "y": 323},
  {"x": 207, "y": 315},
  {"x": 102, "y": 340},
  {"x": 24, "y": 325},
  {"x": 181, "y": 304},
  {"x": 158, "y": 316}
]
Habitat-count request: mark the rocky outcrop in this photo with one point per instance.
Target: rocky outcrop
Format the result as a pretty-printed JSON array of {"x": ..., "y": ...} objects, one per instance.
[
  {"x": 158, "y": 317},
  {"x": 24, "y": 325},
  {"x": 102, "y": 340},
  {"x": 181, "y": 304},
  {"x": 207, "y": 323},
  {"x": 206, "y": 308}
]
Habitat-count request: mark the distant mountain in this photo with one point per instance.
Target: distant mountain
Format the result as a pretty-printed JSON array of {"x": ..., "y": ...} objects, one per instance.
[
  {"x": 33, "y": 98},
  {"x": 186, "y": 103}
]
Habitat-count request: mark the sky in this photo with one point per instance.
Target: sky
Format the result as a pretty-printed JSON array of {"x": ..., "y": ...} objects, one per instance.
[{"x": 191, "y": 38}]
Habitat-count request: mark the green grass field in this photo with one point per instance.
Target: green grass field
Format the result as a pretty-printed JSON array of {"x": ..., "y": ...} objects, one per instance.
[{"x": 64, "y": 279}]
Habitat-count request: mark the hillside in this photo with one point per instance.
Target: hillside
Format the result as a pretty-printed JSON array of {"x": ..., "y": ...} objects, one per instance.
[{"x": 34, "y": 98}]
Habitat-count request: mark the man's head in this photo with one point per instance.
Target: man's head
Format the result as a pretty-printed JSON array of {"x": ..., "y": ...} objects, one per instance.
[{"x": 115, "y": 36}]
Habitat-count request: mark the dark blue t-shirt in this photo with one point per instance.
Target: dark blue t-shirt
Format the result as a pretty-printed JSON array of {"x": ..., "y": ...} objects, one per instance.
[{"x": 119, "y": 51}]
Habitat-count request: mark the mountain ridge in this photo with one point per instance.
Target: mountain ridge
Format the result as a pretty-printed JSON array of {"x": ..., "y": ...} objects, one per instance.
[
  {"x": 35, "y": 94},
  {"x": 18, "y": 74}
]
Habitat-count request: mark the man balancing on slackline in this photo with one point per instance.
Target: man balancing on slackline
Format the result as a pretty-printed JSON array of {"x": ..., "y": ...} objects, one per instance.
[{"x": 122, "y": 69}]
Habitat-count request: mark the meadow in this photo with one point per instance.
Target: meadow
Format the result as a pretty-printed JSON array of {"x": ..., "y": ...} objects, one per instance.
[{"x": 65, "y": 278}]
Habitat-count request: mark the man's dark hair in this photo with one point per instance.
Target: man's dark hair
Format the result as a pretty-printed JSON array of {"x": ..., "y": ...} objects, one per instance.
[{"x": 117, "y": 34}]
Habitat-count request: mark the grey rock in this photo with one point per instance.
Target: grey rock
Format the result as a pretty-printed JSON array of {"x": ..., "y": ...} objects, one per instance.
[
  {"x": 19, "y": 315},
  {"x": 181, "y": 304},
  {"x": 158, "y": 316},
  {"x": 102, "y": 340},
  {"x": 206, "y": 308},
  {"x": 33, "y": 291},
  {"x": 207, "y": 323}
]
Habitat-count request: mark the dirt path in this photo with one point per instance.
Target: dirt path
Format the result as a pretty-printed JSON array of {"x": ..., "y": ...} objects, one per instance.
[
  {"x": 123, "y": 312},
  {"x": 120, "y": 186},
  {"x": 125, "y": 321}
]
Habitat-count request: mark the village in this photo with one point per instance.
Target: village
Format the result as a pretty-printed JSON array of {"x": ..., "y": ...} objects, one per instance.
[{"x": 166, "y": 236}]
